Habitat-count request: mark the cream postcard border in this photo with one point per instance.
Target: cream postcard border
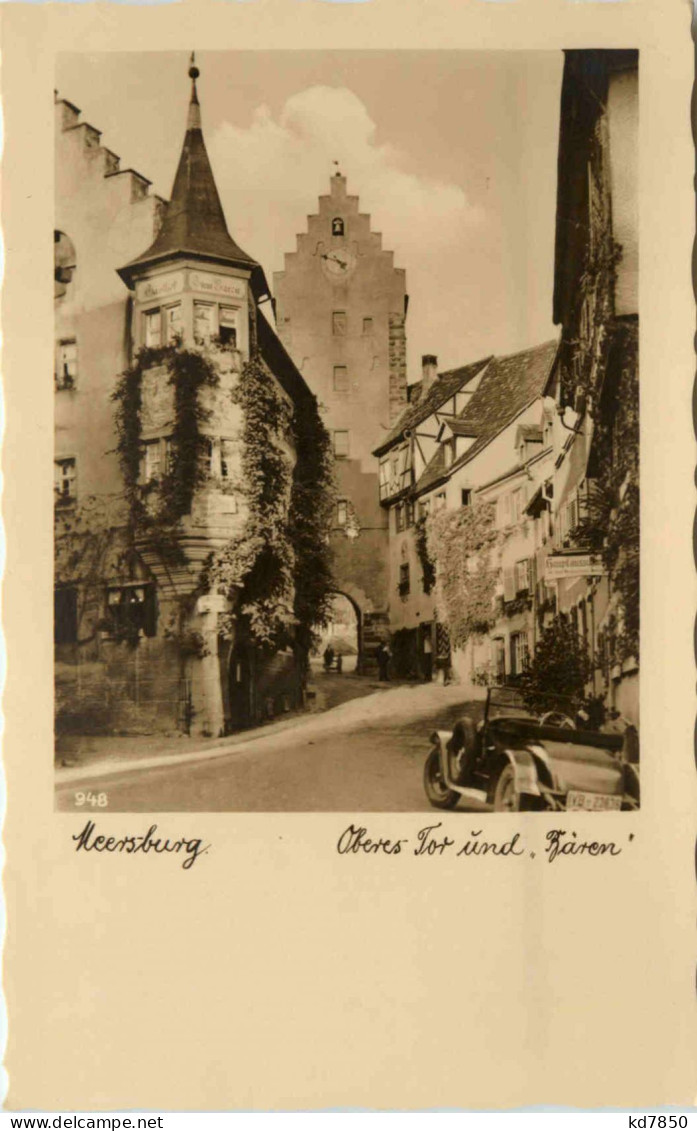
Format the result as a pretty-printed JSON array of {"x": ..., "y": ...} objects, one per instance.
[{"x": 278, "y": 974}]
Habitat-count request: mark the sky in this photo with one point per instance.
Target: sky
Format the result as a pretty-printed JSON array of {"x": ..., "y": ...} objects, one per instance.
[{"x": 453, "y": 153}]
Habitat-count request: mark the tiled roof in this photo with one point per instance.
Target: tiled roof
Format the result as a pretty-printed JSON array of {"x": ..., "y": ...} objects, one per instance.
[
  {"x": 459, "y": 427},
  {"x": 531, "y": 432},
  {"x": 507, "y": 387},
  {"x": 435, "y": 472},
  {"x": 448, "y": 383}
]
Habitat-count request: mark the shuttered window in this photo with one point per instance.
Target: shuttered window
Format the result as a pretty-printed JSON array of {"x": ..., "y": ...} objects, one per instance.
[
  {"x": 522, "y": 575},
  {"x": 520, "y": 655}
]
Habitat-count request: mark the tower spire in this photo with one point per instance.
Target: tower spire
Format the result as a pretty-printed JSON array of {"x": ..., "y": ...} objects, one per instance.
[
  {"x": 194, "y": 119},
  {"x": 194, "y": 221}
]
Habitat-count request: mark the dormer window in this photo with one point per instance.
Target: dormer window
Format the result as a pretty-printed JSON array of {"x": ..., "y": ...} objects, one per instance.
[{"x": 337, "y": 226}]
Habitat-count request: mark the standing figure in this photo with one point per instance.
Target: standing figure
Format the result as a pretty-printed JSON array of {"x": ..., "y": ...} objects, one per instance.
[{"x": 383, "y": 658}]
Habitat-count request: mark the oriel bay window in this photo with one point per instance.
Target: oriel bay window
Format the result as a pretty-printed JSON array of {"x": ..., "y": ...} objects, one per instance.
[
  {"x": 227, "y": 326},
  {"x": 227, "y": 458},
  {"x": 204, "y": 322},
  {"x": 173, "y": 323},
  {"x": 153, "y": 460},
  {"x": 207, "y": 455},
  {"x": 152, "y": 332}
]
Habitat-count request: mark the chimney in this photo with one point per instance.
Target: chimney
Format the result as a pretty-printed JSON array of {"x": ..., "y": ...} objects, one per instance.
[{"x": 429, "y": 366}]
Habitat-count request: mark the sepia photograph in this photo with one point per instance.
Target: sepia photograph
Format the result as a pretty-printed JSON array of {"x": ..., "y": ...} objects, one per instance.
[{"x": 346, "y": 456}]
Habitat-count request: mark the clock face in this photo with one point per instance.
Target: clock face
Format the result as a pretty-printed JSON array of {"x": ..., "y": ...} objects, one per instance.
[{"x": 338, "y": 262}]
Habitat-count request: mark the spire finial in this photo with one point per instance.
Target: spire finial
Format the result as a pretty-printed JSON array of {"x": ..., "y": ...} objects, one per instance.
[{"x": 194, "y": 119}]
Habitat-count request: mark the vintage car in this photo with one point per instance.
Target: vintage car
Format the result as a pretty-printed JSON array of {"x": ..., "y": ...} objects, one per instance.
[{"x": 536, "y": 754}]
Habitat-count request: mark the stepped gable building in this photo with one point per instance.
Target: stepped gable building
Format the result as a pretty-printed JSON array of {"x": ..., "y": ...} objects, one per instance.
[
  {"x": 138, "y": 640},
  {"x": 341, "y": 309},
  {"x": 463, "y": 429}
]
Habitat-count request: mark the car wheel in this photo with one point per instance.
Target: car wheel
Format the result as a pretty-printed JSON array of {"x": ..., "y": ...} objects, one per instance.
[
  {"x": 506, "y": 796},
  {"x": 437, "y": 791}
]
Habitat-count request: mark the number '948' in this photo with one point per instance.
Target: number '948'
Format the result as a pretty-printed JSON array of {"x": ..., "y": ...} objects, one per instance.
[{"x": 94, "y": 800}]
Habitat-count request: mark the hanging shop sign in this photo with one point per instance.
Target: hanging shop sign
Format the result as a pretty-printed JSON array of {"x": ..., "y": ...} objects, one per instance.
[{"x": 559, "y": 566}]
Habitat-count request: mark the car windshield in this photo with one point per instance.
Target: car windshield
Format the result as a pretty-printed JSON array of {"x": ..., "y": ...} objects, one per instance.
[{"x": 513, "y": 703}]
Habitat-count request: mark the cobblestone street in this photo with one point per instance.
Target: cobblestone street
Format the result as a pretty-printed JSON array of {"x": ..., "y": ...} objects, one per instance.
[{"x": 365, "y": 755}]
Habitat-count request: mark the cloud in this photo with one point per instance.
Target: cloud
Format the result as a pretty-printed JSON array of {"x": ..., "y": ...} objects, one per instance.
[{"x": 270, "y": 174}]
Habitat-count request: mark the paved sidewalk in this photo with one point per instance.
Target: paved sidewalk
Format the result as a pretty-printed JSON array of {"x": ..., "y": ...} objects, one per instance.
[{"x": 383, "y": 703}]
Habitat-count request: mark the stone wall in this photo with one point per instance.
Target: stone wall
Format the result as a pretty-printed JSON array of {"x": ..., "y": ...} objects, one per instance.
[{"x": 398, "y": 365}]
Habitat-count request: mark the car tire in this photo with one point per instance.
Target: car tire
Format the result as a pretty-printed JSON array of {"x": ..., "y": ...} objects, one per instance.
[
  {"x": 506, "y": 797},
  {"x": 436, "y": 790}
]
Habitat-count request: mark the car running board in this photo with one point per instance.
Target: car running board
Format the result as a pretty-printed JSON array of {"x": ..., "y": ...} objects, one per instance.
[{"x": 470, "y": 794}]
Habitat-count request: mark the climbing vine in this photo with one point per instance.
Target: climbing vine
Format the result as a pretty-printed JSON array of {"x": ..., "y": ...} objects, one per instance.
[
  {"x": 312, "y": 503},
  {"x": 428, "y": 569},
  {"x": 279, "y": 569},
  {"x": 461, "y": 544},
  {"x": 155, "y": 507},
  {"x": 257, "y": 567},
  {"x": 612, "y": 520},
  {"x": 90, "y": 545}
]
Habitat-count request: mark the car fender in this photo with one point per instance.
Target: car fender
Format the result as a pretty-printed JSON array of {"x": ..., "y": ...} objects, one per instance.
[
  {"x": 525, "y": 771},
  {"x": 544, "y": 764},
  {"x": 632, "y": 787},
  {"x": 440, "y": 740}
]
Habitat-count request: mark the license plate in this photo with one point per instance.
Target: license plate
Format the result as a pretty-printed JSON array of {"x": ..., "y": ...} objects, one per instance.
[{"x": 592, "y": 802}]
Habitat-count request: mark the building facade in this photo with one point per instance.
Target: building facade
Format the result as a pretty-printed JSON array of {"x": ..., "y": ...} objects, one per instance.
[
  {"x": 595, "y": 508},
  {"x": 341, "y": 310},
  {"x": 159, "y": 333},
  {"x": 479, "y": 430},
  {"x": 512, "y": 486}
]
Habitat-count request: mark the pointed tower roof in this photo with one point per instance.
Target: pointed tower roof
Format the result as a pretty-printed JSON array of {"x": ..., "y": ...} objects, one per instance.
[{"x": 194, "y": 223}]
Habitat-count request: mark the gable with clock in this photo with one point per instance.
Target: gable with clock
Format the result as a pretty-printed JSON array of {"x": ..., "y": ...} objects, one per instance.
[{"x": 341, "y": 311}]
